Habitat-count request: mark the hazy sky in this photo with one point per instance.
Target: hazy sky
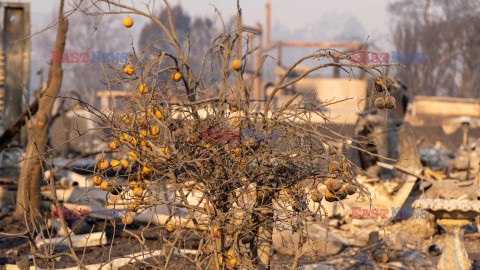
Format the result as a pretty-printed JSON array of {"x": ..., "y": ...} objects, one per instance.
[{"x": 291, "y": 14}]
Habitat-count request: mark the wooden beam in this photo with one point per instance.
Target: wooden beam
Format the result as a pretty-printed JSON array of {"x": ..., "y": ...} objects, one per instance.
[{"x": 14, "y": 128}]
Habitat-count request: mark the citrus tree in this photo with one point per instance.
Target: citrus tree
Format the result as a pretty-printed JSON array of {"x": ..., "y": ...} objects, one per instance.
[{"x": 230, "y": 169}]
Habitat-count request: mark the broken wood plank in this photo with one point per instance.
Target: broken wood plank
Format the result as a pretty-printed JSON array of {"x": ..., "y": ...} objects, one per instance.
[
  {"x": 15, "y": 267},
  {"x": 403, "y": 170},
  {"x": 84, "y": 240},
  {"x": 14, "y": 128}
]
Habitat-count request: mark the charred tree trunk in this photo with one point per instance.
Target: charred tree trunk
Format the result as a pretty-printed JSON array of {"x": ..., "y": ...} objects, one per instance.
[
  {"x": 261, "y": 247},
  {"x": 28, "y": 197}
]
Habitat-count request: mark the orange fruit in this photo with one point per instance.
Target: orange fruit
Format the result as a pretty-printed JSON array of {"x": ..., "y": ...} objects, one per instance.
[
  {"x": 104, "y": 185},
  {"x": 138, "y": 191},
  {"x": 142, "y": 122},
  {"x": 237, "y": 64},
  {"x": 133, "y": 141},
  {"x": 232, "y": 260},
  {"x": 146, "y": 170},
  {"x": 232, "y": 108},
  {"x": 112, "y": 145},
  {"x": 235, "y": 151},
  {"x": 170, "y": 228},
  {"x": 149, "y": 110},
  {"x": 142, "y": 133},
  {"x": 390, "y": 102},
  {"x": 132, "y": 207},
  {"x": 124, "y": 164},
  {"x": 158, "y": 114},
  {"x": 334, "y": 185},
  {"x": 133, "y": 184},
  {"x": 176, "y": 76},
  {"x": 127, "y": 219},
  {"x": 116, "y": 166},
  {"x": 132, "y": 156},
  {"x": 164, "y": 150},
  {"x": 154, "y": 130},
  {"x": 103, "y": 164},
  {"x": 128, "y": 22},
  {"x": 128, "y": 70},
  {"x": 341, "y": 194},
  {"x": 343, "y": 165},
  {"x": 235, "y": 121},
  {"x": 380, "y": 103},
  {"x": 378, "y": 86},
  {"x": 350, "y": 189},
  {"x": 330, "y": 197},
  {"x": 142, "y": 89},
  {"x": 126, "y": 118},
  {"x": 216, "y": 232},
  {"x": 334, "y": 166},
  {"x": 317, "y": 196},
  {"x": 97, "y": 180}
]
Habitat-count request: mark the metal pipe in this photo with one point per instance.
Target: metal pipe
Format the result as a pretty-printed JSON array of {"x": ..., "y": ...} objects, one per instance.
[{"x": 267, "y": 6}]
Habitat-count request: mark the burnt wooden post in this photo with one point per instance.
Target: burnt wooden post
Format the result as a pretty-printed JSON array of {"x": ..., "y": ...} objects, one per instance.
[{"x": 14, "y": 62}]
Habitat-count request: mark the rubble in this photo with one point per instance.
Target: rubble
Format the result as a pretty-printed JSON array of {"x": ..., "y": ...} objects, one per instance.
[
  {"x": 114, "y": 264},
  {"x": 77, "y": 194},
  {"x": 11, "y": 156},
  {"x": 397, "y": 266},
  {"x": 316, "y": 267},
  {"x": 453, "y": 189},
  {"x": 7, "y": 198},
  {"x": 317, "y": 242},
  {"x": 393, "y": 241},
  {"x": 70, "y": 179}
]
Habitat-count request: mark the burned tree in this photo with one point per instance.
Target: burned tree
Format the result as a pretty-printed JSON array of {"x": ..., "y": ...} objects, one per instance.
[
  {"x": 28, "y": 198},
  {"x": 230, "y": 170},
  {"x": 442, "y": 34}
]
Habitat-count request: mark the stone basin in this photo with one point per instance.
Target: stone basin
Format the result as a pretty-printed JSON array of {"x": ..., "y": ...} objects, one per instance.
[
  {"x": 449, "y": 209},
  {"x": 454, "y": 216}
]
